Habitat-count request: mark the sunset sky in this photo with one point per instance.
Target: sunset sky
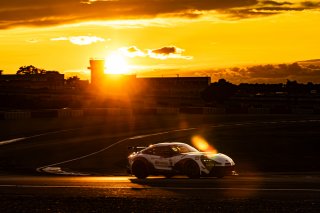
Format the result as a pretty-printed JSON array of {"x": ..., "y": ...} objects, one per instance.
[{"x": 157, "y": 37}]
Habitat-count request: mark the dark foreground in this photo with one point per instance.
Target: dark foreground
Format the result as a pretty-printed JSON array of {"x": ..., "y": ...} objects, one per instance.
[
  {"x": 284, "y": 145},
  {"x": 267, "y": 193},
  {"x": 117, "y": 204}
]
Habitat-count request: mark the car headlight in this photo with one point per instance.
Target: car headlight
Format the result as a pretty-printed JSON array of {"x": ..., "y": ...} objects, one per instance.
[{"x": 207, "y": 162}]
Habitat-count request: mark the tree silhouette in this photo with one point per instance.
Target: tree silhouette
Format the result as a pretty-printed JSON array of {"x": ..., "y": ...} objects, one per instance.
[
  {"x": 28, "y": 70},
  {"x": 73, "y": 81},
  {"x": 219, "y": 91}
]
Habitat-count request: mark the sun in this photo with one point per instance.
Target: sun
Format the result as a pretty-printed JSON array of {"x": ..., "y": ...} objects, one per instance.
[{"x": 116, "y": 64}]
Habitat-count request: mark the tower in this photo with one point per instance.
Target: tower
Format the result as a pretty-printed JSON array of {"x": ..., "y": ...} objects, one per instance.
[{"x": 97, "y": 67}]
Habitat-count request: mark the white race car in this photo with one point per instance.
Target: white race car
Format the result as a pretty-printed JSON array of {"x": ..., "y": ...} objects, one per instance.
[{"x": 172, "y": 158}]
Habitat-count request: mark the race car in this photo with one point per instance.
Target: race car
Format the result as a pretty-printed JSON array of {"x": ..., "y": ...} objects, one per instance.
[{"x": 176, "y": 158}]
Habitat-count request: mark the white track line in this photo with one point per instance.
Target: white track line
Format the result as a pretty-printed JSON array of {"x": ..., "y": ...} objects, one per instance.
[
  {"x": 35, "y": 136},
  {"x": 11, "y": 141}
]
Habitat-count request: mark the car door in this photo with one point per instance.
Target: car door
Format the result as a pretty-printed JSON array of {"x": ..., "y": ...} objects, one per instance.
[{"x": 161, "y": 158}]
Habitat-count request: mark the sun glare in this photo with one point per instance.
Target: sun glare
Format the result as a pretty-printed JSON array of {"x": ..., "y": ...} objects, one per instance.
[
  {"x": 116, "y": 64},
  {"x": 201, "y": 144}
]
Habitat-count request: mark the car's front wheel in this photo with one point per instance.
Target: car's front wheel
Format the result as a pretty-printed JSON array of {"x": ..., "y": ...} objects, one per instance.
[
  {"x": 140, "y": 169},
  {"x": 220, "y": 175},
  {"x": 191, "y": 169}
]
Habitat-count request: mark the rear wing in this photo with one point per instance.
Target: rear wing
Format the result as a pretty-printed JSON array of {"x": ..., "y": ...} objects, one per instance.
[{"x": 132, "y": 149}]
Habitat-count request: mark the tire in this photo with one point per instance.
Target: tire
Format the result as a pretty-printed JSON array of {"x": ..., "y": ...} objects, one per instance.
[
  {"x": 191, "y": 169},
  {"x": 220, "y": 172},
  {"x": 140, "y": 170},
  {"x": 220, "y": 175}
]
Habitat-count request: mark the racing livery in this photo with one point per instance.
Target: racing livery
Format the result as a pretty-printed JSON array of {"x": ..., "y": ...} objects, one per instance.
[{"x": 172, "y": 158}]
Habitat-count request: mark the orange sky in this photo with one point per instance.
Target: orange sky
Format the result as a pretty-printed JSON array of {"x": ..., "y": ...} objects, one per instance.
[{"x": 191, "y": 37}]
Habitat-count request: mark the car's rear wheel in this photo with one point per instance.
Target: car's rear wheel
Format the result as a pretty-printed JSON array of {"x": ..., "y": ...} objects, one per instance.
[
  {"x": 140, "y": 170},
  {"x": 191, "y": 169}
]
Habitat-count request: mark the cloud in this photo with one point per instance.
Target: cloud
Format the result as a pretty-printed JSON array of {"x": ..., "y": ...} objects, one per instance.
[
  {"x": 14, "y": 13},
  {"x": 276, "y": 3},
  {"x": 310, "y": 4},
  {"x": 80, "y": 40},
  {"x": 132, "y": 52},
  {"x": 168, "y": 52},
  {"x": 60, "y": 39},
  {"x": 93, "y": 1},
  {"x": 267, "y": 8},
  {"x": 160, "y": 53},
  {"x": 269, "y": 73}
]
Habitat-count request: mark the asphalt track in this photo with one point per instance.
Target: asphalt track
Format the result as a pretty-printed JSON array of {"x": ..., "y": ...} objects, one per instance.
[
  {"x": 297, "y": 186},
  {"x": 271, "y": 193},
  {"x": 98, "y": 154}
]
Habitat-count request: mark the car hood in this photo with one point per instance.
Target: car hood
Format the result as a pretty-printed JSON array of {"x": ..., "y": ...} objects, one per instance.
[{"x": 218, "y": 157}]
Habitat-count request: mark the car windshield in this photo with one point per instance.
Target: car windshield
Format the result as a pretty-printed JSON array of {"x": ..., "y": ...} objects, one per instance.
[{"x": 183, "y": 148}]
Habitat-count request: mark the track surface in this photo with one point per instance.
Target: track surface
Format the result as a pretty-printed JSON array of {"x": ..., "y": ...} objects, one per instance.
[
  {"x": 208, "y": 188},
  {"x": 262, "y": 147},
  {"x": 273, "y": 193}
]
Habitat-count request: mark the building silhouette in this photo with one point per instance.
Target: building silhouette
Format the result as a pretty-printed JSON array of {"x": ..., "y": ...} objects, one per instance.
[
  {"x": 50, "y": 80},
  {"x": 97, "y": 67},
  {"x": 153, "y": 90}
]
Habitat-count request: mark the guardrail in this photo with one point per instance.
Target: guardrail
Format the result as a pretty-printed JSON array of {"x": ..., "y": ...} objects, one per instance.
[
  {"x": 106, "y": 111},
  {"x": 18, "y": 115},
  {"x": 70, "y": 113},
  {"x": 78, "y": 113},
  {"x": 258, "y": 110}
]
